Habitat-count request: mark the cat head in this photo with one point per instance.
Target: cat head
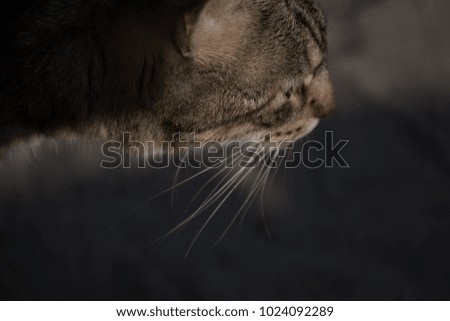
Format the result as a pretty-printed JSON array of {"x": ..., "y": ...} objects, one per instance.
[
  {"x": 240, "y": 69},
  {"x": 222, "y": 69}
]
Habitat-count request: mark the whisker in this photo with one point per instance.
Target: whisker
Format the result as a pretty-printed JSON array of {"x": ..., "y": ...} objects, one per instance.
[
  {"x": 203, "y": 207},
  {"x": 215, "y": 211},
  {"x": 212, "y": 179},
  {"x": 262, "y": 184},
  {"x": 263, "y": 215},
  {"x": 175, "y": 179},
  {"x": 218, "y": 192},
  {"x": 279, "y": 163},
  {"x": 215, "y": 195},
  {"x": 249, "y": 199},
  {"x": 156, "y": 196},
  {"x": 212, "y": 197}
]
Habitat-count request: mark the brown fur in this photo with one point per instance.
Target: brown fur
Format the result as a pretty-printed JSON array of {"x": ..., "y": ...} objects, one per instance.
[{"x": 224, "y": 69}]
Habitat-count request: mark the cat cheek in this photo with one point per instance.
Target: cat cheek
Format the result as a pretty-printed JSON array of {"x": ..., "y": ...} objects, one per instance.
[{"x": 277, "y": 117}]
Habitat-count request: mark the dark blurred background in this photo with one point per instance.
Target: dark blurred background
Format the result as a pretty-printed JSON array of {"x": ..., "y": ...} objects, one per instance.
[{"x": 379, "y": 230}]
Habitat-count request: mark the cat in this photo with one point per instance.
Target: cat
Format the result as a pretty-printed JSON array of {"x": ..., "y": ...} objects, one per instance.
[{"x": 222, "y": 69}]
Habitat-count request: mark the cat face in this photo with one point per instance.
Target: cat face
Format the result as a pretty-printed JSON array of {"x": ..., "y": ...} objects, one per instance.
[
  {"x": 222, "y": 69},
  {"x": 244, "y": 68}
]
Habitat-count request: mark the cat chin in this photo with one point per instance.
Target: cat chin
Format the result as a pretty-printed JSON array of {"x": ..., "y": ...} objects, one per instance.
[
  {"x": 293, "y": 133},
  {"x": 286, "y": 133},
  {"x": 311, "y": 125}
]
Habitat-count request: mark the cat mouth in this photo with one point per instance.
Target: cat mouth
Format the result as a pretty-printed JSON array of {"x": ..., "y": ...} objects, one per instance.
[
  {"x": 289, "y": 132},
  {"x": 297, "y": 132}
]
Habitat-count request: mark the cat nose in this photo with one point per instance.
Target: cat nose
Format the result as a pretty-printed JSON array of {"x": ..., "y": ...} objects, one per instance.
[
  {"x": 322, "y": 96},
  {"x": 323, "y": 110},
  {"x": 326, "y": 106}
]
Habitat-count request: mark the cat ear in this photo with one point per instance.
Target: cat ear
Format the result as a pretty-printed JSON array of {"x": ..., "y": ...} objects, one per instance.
[{"x": 215, "y": 31}]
